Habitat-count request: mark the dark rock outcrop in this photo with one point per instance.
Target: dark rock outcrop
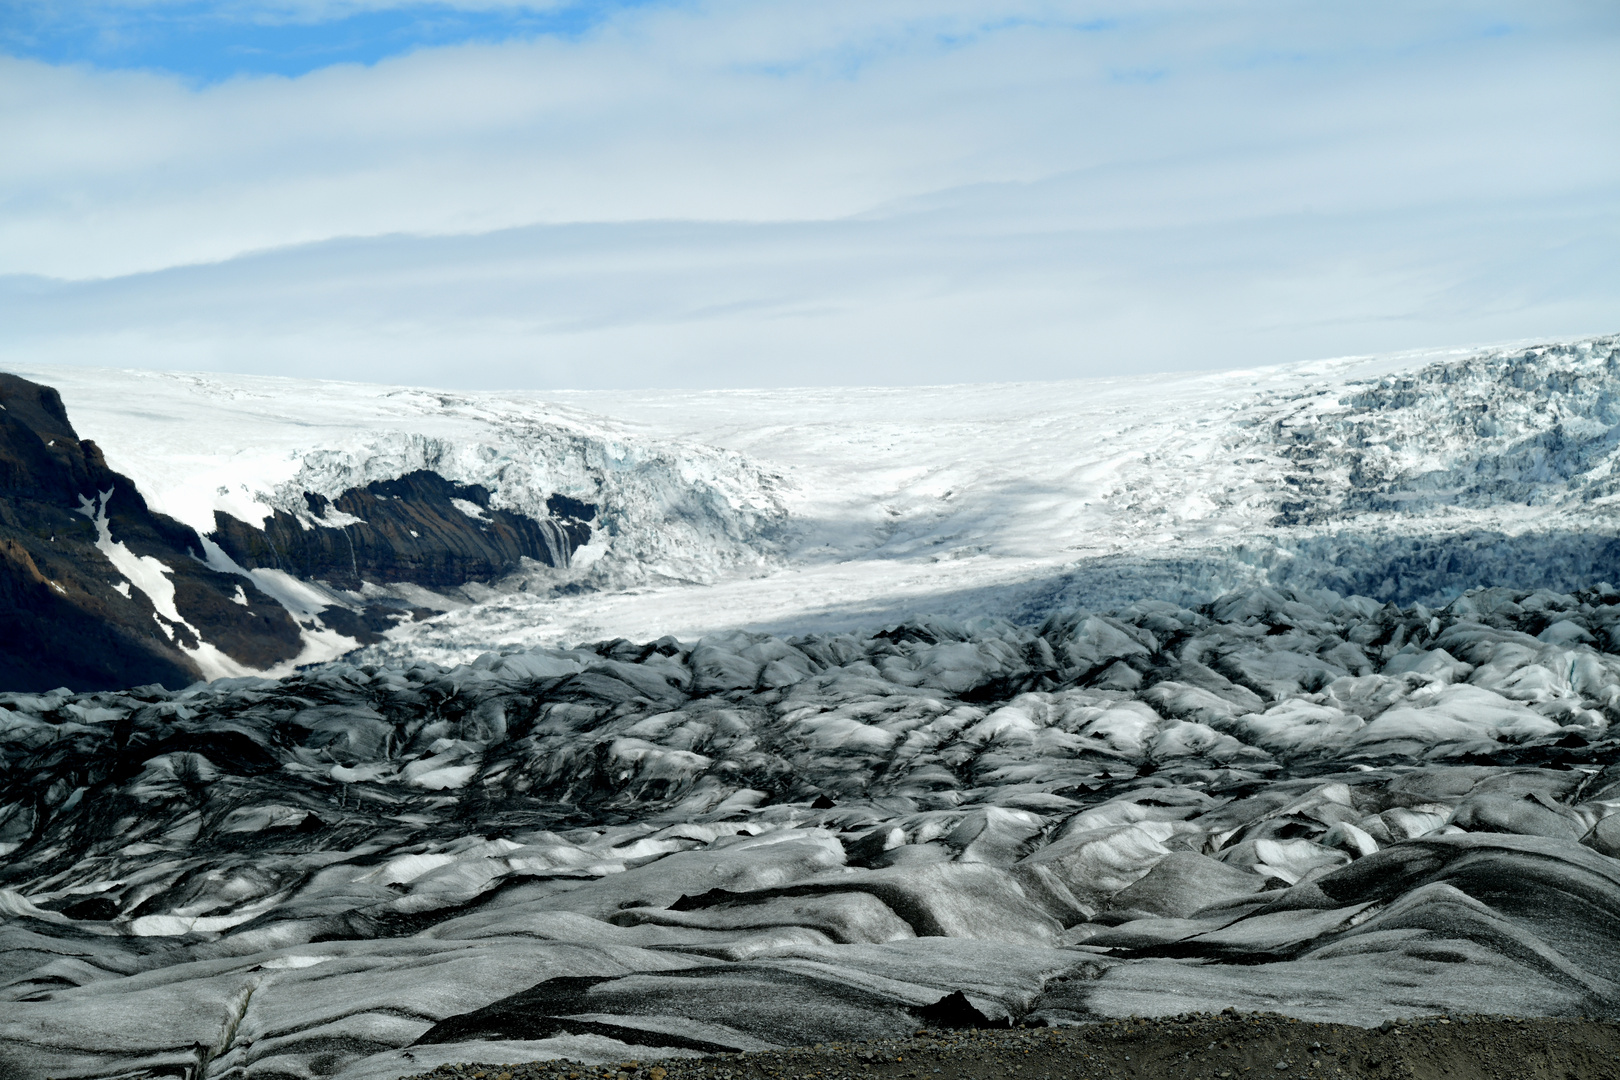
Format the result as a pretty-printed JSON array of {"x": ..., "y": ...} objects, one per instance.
[
  {"x": 575, "y": 517},
  {"x": 420, "y": 528},
  {"x": 67, "y": 615}
]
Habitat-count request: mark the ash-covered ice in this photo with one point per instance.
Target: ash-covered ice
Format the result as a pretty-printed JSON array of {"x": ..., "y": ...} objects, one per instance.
[{"x": 1300, "y": 802}]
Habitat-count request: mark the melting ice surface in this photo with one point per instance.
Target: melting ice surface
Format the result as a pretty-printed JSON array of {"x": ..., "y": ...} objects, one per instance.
[
  {"x": 1185, "y": 773},
  {"x": 1291, "y": 801}
]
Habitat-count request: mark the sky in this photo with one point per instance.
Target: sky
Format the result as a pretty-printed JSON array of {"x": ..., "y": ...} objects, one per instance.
[{"x": 555, "y": 194}]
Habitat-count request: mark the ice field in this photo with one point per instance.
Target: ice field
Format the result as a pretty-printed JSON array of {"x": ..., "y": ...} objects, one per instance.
[
  {"x": 1290, "y": 689},
  {"x": 1406, "y": 478}
]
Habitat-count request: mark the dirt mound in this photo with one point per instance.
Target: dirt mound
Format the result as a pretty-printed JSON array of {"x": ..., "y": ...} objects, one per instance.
[{"x": 1220, "y": 1047}]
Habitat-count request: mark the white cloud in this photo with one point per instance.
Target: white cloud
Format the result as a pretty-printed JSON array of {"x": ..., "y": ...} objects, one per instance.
[
  {"x": 944, "y": 295},
  {"x": 926, "y": 181}
]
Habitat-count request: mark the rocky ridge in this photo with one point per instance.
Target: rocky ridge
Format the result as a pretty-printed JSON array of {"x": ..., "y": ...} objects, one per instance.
[
  {"x": 80, "y": 608},
  {"x": 99, "y": 592},
  {"x": 420, "y": 529}
]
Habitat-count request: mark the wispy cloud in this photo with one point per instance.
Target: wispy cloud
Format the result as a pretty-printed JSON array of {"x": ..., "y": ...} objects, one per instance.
[{"x": 678, "y": 187}]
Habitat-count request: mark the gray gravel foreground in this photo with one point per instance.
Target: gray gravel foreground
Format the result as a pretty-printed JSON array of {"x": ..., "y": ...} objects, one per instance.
[{"x": 1217, "y": 1047}]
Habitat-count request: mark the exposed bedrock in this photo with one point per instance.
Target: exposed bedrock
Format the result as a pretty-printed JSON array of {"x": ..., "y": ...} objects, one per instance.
[
  {"x": 420, "y": 528},
  {"x": 73, "y": 533},
  {"x": 1297, "y": 802},
  {"x": 98, "y": 592}
]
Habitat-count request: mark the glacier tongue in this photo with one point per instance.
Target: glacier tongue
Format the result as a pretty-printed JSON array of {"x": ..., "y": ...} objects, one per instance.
[
  {"x": 1051, "y": 703},
  {"x": 1289, "y": 800},
  {"x": 1407, "y": 478}
]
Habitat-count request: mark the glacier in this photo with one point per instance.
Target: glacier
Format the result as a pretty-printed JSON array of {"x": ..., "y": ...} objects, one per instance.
[
  {"x": 1408, "y": 478},
  {"x": 1293, "y": 801},
  {"x": 1291, "y": 689}
]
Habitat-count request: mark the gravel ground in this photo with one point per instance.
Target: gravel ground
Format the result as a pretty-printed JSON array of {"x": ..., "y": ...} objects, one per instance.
[{"x": 1198, "y": 1046}]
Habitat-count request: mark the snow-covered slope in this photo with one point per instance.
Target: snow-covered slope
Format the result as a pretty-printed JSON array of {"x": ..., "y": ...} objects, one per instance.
[
  {"x": 248, "y": 445},
  {"x": 1406, "y": 478}
]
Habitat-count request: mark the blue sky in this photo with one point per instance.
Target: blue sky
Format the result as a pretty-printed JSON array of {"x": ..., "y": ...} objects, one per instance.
[
  {"x": 208, "y": 41},
  {"x": 744, "y": 192}
]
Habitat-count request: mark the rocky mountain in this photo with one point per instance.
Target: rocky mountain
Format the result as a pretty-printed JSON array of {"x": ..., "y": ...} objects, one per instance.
[
  {"x": 82, "y": 609},
  {"x": 99, "y": 592},
  {"x": 421, "y": 529}
]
